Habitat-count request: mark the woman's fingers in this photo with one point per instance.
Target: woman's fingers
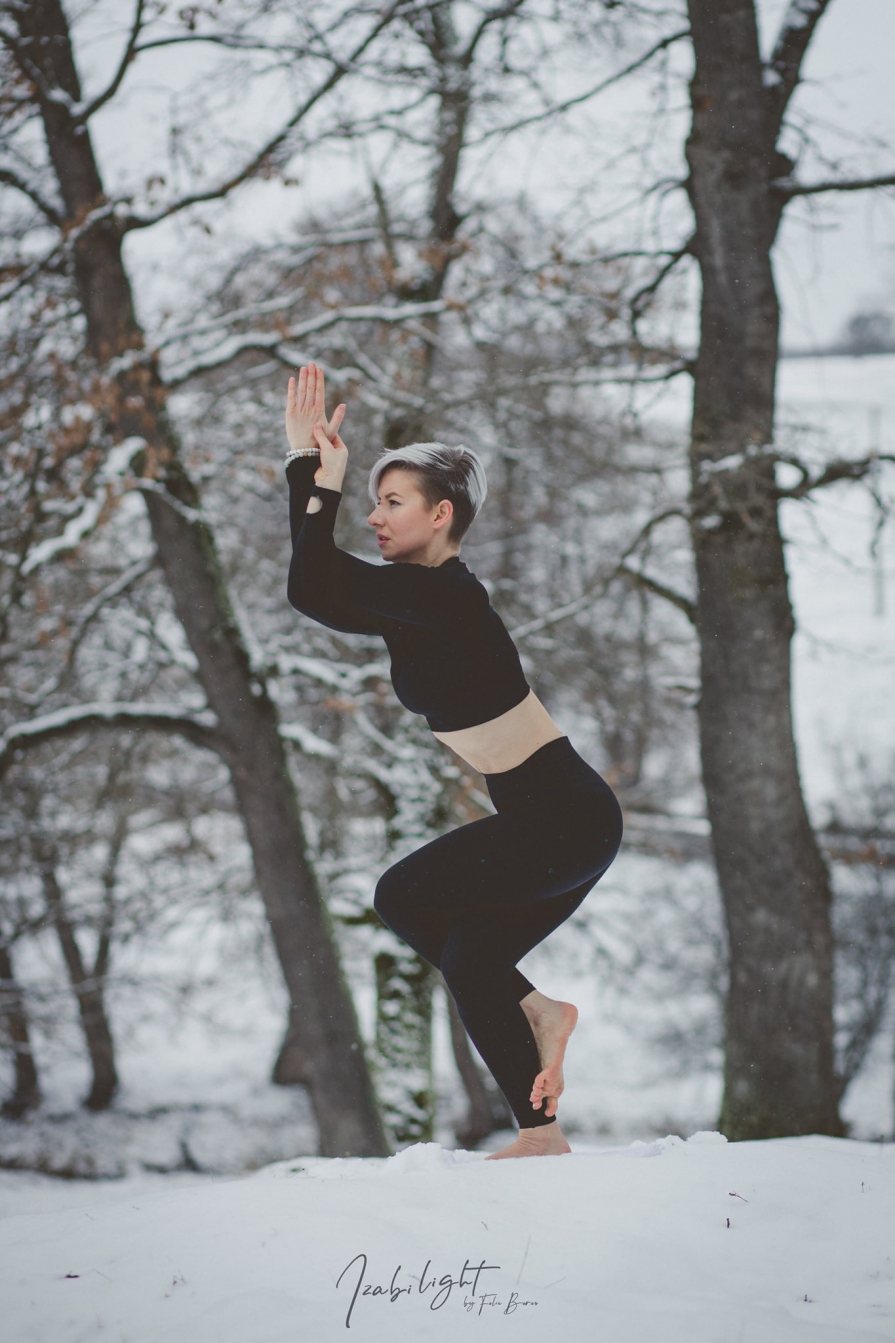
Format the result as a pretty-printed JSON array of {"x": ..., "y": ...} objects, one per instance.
[
  {"x": 334, "y": 443},
  {"x": 306, "y": 407},
  {"x": 312, "y": 397}
]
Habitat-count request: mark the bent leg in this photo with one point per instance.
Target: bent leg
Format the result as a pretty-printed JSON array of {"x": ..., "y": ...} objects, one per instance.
[
  {"x": 473, "y": 902},
  {"x": 478, "y": 964},
  {"x": 515, "y": 859}
]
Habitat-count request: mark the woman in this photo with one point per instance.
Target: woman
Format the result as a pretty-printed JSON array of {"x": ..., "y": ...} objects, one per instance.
[{"x": 474, "y": 901}]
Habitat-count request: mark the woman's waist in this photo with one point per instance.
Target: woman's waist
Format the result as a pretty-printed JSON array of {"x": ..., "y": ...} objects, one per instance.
[
  {"x": 506, "y": 742},
  {"x": 554, "y": 777}
]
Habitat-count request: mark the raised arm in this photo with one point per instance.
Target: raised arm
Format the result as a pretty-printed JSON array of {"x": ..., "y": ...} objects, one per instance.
[
  {"x": 326, "y": 583},
  {"x": 314, "y": 586}
]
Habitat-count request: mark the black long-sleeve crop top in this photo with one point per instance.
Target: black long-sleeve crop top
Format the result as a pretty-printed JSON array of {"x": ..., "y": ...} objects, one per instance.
[{"x": 452, "y": 658}]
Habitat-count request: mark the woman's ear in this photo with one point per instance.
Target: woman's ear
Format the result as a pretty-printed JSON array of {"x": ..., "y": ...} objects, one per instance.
[{"x": 443, "y": 513}]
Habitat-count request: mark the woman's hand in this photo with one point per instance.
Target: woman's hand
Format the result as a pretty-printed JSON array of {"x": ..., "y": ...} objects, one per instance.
[
  {"x": 333, "y": 454},
  {"x": 305, "y": 408}
]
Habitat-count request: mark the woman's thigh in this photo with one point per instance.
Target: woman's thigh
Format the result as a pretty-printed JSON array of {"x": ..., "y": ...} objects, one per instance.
[{"x": 513, "y": 857}]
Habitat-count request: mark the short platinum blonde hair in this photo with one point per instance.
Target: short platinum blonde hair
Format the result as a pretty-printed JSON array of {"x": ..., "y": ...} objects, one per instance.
[{"x": 442, "y": 473}]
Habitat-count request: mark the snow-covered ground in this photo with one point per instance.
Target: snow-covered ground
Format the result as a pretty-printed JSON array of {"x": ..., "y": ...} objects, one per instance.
[{"x": 683, "y": 1242}]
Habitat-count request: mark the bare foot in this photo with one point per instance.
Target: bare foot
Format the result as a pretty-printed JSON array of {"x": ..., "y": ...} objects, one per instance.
[
  {"x": 547, "y": 1140},
  {"x": 552, "y": 1022}
]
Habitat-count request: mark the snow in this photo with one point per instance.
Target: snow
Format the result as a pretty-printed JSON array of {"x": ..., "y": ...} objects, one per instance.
[
  {"x": 800, "y": 13},
  {"x": 687, "y": 1242},
  {"x": 77, "y": 528}
]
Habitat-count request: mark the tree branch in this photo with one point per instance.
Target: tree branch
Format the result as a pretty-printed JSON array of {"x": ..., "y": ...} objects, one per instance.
[
  {"x": 87, "y": 616},
  {"x": 832, "y": 472},
  {"x": 273, "y": 341},
  {"x": 591, "y": 93},
  {"x": 12, "y": 180},
  {"x": 505, "y": 11},
  {"x": 111, "y": 89},
  {"x": 338, "y": 72},
  {"x": 781, "y": 74},
  {"x": 199, "y": 728},
  {"x": 232, "y": 41},
  {"x": 84, "y": 522},
  {"x": 660, "y": 590},
  {"x": 789, "y": 188},
  {"x": 639, "y": 300}
]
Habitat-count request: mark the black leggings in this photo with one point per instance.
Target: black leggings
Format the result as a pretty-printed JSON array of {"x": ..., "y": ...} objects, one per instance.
[{"x": 474, "y": 901}]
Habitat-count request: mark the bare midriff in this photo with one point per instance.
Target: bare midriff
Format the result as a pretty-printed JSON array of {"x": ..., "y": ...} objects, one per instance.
[{"x": 504, "y": 742}]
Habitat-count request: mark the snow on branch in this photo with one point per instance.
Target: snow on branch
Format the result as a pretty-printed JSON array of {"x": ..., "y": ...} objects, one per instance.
[
  {"x": 834, "y": 471},
  {"x": 273, "y": 341},
  {"x": 343, "y": 676},
  {"x": 187, "y": 513},
  {"x": 307, "y": 741},
  {"x": 84, "y": 522},
  {"x": 199, "y": 728}
]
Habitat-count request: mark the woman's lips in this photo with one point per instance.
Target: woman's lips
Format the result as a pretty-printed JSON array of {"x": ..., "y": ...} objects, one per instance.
[{"x": 381, "y": 540}]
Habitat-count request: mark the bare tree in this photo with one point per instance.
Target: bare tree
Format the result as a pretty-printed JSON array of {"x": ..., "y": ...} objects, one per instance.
[
  {"x": 87, "y": 981},
  {"x": 90, "y": 228},
  {"x": 779, "y": 1065}
]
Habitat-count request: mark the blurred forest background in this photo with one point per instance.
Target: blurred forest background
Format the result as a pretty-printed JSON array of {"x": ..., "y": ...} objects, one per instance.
[{"x": 199, "y": 786}]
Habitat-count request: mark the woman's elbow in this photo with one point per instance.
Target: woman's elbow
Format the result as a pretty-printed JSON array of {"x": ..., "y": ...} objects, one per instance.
[{"x": 299, "y": 597}]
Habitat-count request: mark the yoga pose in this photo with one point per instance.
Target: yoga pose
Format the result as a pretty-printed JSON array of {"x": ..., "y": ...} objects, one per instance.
[{"x": 475, "y": 900}]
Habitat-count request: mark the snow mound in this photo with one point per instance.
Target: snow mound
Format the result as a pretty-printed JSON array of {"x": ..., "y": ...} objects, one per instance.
[
  {"x": 421, "y": 1156},
  {"x": 788, "y": 1241}
]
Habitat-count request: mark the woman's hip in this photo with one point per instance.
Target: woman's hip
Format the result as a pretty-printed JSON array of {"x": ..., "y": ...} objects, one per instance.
[{"x": 554, "y": 777}]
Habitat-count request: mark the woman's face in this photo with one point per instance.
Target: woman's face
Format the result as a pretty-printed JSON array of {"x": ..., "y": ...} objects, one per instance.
[{"x": 407, "y": 529}]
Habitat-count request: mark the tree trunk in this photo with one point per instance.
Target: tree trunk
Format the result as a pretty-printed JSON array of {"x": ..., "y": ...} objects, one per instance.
[
  {"x": 779, "y": 1071},
  {"x": 26, "y": 1091},
  {"x": 87, "y": 985},
  {"x": 404, "y": 983},
  {"x": 341, "y": 1091}
]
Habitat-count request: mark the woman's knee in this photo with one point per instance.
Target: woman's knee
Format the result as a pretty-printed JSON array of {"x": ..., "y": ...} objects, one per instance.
[{"x": 390, "y": 896}]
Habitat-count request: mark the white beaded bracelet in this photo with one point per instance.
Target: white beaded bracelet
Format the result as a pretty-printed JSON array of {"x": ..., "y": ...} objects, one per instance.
[{"x": 301, "y": 452}]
